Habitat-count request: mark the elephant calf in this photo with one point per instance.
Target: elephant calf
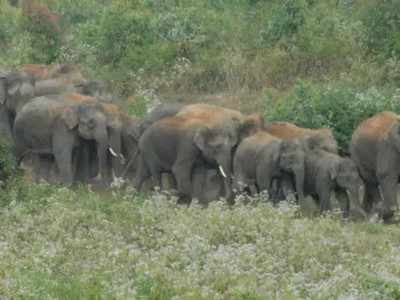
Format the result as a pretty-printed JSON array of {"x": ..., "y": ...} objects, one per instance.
[
  {"x": 262, "y": 158},
  {"x": 328, "y": 172}
]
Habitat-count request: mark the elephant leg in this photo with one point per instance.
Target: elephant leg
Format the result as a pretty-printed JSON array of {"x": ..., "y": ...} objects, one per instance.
[
  {"x": 182, "y": 171},
  {"x": 371, "y": 197},
  {"x": 143, "y": 173},
  {"x": 62, "y": 149},
  {"x": 81, "y": 159},
  {"x": 36, "y": 168},
  {"x": 45, "y": 165},
  {"x": 324, "y": 195},
  {"x": 389, "y": 194},
  {"x": 156, "y": 174}
]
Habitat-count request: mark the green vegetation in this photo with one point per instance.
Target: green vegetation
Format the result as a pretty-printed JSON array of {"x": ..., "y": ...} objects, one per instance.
[
  {"x": 322, "y": 59},
  {"x": 328, "y": 63},
  {"x": 58, "y": 243}
]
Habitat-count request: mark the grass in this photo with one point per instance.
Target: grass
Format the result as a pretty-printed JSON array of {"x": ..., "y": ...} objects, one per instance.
[{"x": 78, "y": 244}]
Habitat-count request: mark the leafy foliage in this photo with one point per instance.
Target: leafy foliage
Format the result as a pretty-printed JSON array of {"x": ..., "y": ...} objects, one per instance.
[
  {"x": 340, "y": 107},
  {"x": 81, "y": 244}
]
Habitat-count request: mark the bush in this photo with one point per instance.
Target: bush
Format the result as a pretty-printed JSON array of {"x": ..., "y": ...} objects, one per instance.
[
  {"x": 7, "y": 159},
  {"x": 340, "y": 107},
  {"x": 382, "y": 27}
]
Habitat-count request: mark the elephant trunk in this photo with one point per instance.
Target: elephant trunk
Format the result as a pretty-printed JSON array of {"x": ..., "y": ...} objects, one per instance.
[
  {"x": 355, "y": 198},
  {"x": 299, "y": 177}
]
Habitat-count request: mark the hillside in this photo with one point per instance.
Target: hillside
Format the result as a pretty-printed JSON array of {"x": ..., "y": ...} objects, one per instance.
[{"x": 327, "y": 63}]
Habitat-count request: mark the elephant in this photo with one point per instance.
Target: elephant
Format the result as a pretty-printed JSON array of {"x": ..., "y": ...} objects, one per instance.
[
  {"x": 44, "y": 72},
  {"x": 375, "y": 148},
  {"x": 65, "y": 78},
  {"x": 327, "y": 172},
  {"x": 286, "y": 130},
  {"x": 208, "y": 184},
  {"x": 123, "y": 136},
  {"x": 16, "y": 88},
  {"x": 261, "y": 160},
  {"x": 177, "y": 143},
  {"x": 159, "y": 112},
  {"x": 56, "y": 129},
  {"x": 198, "y": 110}
]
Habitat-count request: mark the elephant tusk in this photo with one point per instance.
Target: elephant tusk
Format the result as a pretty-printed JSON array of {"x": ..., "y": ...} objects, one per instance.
[
  {"x": 112, "y": 152},
  {"x": 222, "y": 171},
  {"x": 122, "y": 158}
]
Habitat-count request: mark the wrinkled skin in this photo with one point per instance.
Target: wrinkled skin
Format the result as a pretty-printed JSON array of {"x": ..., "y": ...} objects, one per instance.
[
  {"x": 220, "y": 117},
  {"x": 208, "y": 184},
  {"x": 161, "y": 111},
  {"x": 16, "y": 89},
  {"x": 288, "y": 131},
  {"x": 176, "y": 144},
  {"x": 328, "y": 172},
  {"x": 56, "y": 129},
  {"x": 123, "y": 140},
  {"x": 215, "y": 117},
  {"x": 375, "y": 148},
  {"x": 262, "y": 159}
]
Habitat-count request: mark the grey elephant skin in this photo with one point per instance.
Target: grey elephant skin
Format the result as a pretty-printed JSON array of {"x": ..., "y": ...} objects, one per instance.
[
  {"x": 16, "y": 89},
  {"x": 327, "y": 173},
  {"x": 289, "y": 131},
  {"x": 122, "y": 130},
  {"x": 375, "y": 148},
  {"x": 263, "y": 159},
  {"x": 48, "y": 127},
  {"x": 197, "y": 131}
]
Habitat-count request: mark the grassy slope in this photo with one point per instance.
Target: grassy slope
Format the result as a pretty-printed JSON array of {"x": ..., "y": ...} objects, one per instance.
[{"x": 58, "y": 243}]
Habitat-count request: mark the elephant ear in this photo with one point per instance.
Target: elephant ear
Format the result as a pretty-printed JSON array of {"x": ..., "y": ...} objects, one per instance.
[
  {"x": 70, "y": 117},
  {"x": 201, "y": 137},
  {"x": 250, "y": 125},
  {"x": 333, "y": 172},
  {"x": 14, "y": 88}
]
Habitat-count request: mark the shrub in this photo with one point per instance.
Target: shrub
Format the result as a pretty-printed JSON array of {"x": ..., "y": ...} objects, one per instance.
[
  {"x": 381, "y": 27},
  {"x": 340, "y": 107}
]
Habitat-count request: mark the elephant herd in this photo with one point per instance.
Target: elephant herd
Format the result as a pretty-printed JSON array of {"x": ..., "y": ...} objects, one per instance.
[{"x": 70, "y": 131}]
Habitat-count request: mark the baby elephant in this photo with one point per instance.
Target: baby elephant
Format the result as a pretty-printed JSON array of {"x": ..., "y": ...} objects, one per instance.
[
  {"x": 328, "y": 172},
  {"x": 263, "y": 159}
]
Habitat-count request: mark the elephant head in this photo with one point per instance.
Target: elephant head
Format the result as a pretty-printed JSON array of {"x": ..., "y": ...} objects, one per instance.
[
  {"x": 393, "y": 135},
  {"x": 16, "y": 89},
  {"x": 292, "y": 160},
  {"x": 96, "y": 88},
  {"x": 90, "y": 122},
  {"x": 346, "y": 176}
]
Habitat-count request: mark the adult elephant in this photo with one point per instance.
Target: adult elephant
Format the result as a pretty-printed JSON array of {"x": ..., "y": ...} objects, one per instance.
[
  {"x": 46, "y": 127},
  {"x": 16, "y": 89},
  {"x": 262, "y": 159},
  {"x": 199, "y": 110},
  {"x": 208, "y": 184},
  {"x": 289, "y": 131},
  {"x": 327, "y": 172},
  {"x": 375, "y": 148},
  {"x": 177, "y": 143},
  {"x": 122, "y": 130}
]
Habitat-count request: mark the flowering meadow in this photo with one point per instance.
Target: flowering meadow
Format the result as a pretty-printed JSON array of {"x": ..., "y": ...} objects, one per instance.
[{"x": 59, "y": 243}]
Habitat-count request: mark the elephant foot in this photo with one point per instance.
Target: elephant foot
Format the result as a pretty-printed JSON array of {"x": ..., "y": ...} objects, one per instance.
[
  {"x": 356, "y": 215},
  {"x": 388, "y": 217}
]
